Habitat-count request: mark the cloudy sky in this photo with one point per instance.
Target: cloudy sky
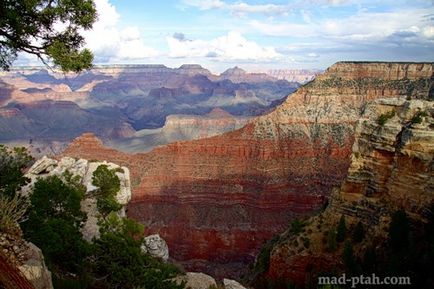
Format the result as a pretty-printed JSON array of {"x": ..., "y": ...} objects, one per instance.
[{"x": 259, "y": 35}]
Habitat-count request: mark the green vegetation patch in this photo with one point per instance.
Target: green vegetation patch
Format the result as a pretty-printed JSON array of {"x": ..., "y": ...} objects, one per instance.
[
  {"x": 383, "y": 118},
  {"x": 109, "y": 184}
]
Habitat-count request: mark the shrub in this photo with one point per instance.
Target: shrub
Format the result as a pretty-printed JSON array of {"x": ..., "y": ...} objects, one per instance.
[
  {"x": 106, "y": 180},
  {"x": 297, "y": 226},
  {"x": 12, "y": 163},
  {"x": 341, "y": 230},
  {"x": 120, "y": 263},
  {"x": 12, "y": 211},
  {"x": 348, "y": 258},
  {"x": 399, "y": 231},
  {"x": 383, "y": 118},
  {"x": 359, "y": 233},
  {"x": 417, "y": 118},
  {"x": 54, "y": 223},
  {"x": 331, "y": 240},
  {"x": 109, "y": 184}
]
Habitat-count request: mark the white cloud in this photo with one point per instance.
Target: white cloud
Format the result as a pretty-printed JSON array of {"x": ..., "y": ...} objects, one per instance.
[
  {"x": 111, "y": 43},
  {"x": 239, "y": 8},
  {"x": 285, "y": 29},
  {"x": 205, "y": 4},
  {"x": 363, "y": 26},
  {"x": 232, "y": 46},
  {"x": 243, "y": 8}
]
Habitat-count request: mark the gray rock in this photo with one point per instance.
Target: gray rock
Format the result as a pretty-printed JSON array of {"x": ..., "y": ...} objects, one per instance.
[
  {"x": 232, "y": 284},
  {"x": 34, "y": 268},
  {"x": 196, "y": 280},
  {"x": 156, "y": 246}
]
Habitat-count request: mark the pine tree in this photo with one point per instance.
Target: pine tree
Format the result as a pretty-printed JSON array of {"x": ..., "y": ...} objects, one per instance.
[
  {"x": 341, "y": 230},
  {"x": 359, "y": 233}
]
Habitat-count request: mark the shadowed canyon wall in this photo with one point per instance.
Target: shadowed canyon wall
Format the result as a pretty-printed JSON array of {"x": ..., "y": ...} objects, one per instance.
[{"x": 217, "y": 200}]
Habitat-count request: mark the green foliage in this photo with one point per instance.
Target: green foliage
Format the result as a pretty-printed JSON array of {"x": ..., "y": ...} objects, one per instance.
[
  {"x": 399, "y": 231},
  {"x": 331, "y": 240},
  {"x": 123, "y": 226},
  {"x": 359, "y": 233},
  {"x": 22, "y": 22},
  {"x": 341, "y": 230},
  {"x": 348, "y": 258},
  {"x": 12, "y": 211},
  {"x": 417, "y": 118},
  {"x": 263, "y": 259},
  {"x": 109, "y": 184},
  {"x": 120, "y": 262},
  {"x": 369, "y": 260},
  {"x": 107, "y": 205},
  {"x": 106, "y": 180},
  {"x": 12, "y": 163},
  {"x": 54, "y": 221},
  {"x": 297, "y": 226},
  {"x": 383, "y": 118}
]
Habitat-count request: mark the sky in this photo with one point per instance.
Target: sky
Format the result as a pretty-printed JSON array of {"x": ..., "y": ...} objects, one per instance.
[{"x": 260, "y": 35}]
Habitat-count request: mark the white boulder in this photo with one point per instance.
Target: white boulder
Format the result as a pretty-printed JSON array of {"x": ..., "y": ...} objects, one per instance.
[{"x": 156, "y": 246}]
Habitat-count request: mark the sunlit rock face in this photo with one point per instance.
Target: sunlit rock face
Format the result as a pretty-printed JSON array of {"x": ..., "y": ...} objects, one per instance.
[
  {"x": 391, "y": 168},
  {"x": 216, "y": 200}
]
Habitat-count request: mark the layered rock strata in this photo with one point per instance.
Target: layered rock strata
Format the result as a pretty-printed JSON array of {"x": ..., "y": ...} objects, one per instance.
[
  {"x": 391, "y": 168},
  {"x": 217, "y": 200}
]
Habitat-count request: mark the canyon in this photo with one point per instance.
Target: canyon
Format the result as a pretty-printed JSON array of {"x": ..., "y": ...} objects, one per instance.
[
  {"x": 217, "y": 200},
  {"x": 44, "y": 110}
]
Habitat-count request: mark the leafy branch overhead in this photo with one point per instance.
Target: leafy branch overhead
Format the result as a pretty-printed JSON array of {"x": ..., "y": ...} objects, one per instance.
[{"x": 34, "y": 26}]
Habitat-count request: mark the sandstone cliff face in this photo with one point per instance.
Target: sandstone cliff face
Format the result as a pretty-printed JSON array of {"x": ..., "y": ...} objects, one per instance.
[
  {"x": 294, "y": 75},
  {"x": 215, "y": 201},
  {"x": 214, "y": 123},
  {"x": 391, "y": 168}
]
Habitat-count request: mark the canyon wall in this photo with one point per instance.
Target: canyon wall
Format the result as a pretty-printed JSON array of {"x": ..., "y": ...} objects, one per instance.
[
  {"x": 217, "y": 200},
  {"x": 391, "y": 169}
]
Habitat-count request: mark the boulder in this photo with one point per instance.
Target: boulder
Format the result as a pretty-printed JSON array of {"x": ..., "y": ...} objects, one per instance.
[
  {"x": 196, "y": 280},
  {"x": 44, "y": 164},
  {"x": 156, "y": 246},
  {"x": 232, "y": 284},
  {"x": 34, "y": 268}
]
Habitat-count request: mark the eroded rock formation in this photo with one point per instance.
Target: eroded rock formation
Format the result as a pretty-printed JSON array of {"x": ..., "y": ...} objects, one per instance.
[
  {"x": 391, "y": 168},
  {"x": 217, "y": 200},
  {"x": 83, "y": 169}
]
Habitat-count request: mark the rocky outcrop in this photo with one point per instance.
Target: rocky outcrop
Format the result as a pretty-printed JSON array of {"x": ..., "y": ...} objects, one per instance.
[
  {"x": 34, "y": 268},
  {"x": 195, "y": 280},
  {"x": 232, "y": 284},
  {"x": 217, "y": 200},
  {"x": 155, "y": 246},
  {"x": 11, "y": 277},
  {"x": 391, "y": 168},
  {"x": 295, "y": 75},
  {"x": 84, "y": 169},
  {"x": 22, "y": 264},
  {"x": 218, "y": 121},
  {"x": 238, "y": 75},
  {"x": 393, "y": 154}
]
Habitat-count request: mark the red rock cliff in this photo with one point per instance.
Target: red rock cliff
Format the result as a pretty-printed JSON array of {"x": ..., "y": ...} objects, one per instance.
[{"x": 216, "y": 200}]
